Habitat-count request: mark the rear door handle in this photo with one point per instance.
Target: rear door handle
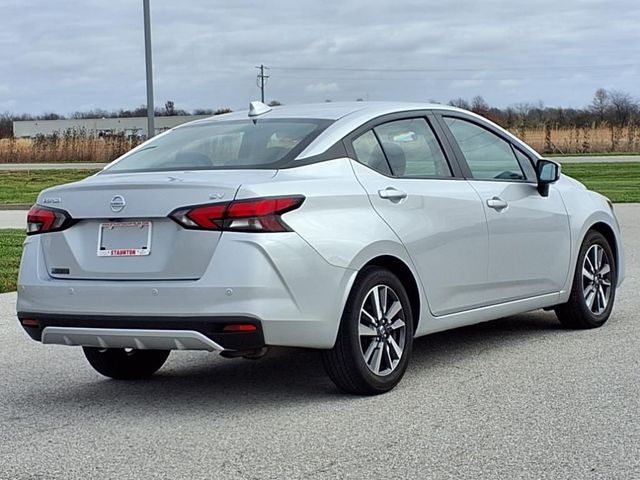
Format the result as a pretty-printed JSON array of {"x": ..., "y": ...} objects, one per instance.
[
  {"x": 497, "y": 203},
  {"x": 391, "y": 193}
]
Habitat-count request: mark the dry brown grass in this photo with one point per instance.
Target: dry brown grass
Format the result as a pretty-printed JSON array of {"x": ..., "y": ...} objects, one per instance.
[
  {"x": 78, "y": 148},
  {"x": 581, "y": 140},
  {"x": 64, "y": 149}
]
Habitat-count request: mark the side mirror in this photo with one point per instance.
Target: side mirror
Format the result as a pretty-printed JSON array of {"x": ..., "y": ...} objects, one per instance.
[{"x": 548, "y": 172}]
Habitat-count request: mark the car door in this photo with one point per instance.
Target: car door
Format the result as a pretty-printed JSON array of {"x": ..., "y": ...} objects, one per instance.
[
  {"x": 433, "y": 210},
  {"x": 529, "y": 242}
]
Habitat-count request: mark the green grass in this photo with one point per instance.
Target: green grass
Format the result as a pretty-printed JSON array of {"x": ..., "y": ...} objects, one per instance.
[
  {"x": 10, "y": 251},
  {"x": 18, "y": 186},
  {"x": 605, "y": 154},
  {"x": 618, "y": 181}
]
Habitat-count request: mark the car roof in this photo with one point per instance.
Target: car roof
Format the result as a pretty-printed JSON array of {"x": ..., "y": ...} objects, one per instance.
[
  {"x": 329, "y": 110},
  {"x": 346, "y": 117}
]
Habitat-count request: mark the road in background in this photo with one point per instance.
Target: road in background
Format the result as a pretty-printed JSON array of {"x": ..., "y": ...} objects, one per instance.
[
  {"x": 13, "y": 218},
  {"x": 517, "y": 398},
  {"x": 598, "y": 159},
  {"x": 51, "y": 166},
  {"x": 77, "y": 165}
]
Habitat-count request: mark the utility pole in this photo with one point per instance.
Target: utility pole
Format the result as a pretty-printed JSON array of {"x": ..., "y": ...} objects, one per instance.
[
  {"x": 151, "y": 128},
  {"x": 262, "y": 80}
]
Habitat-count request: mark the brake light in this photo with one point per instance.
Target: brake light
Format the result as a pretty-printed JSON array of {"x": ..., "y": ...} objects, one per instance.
[
  {"x": 253, "y": 215},
  {"x": 44, "y": 219}
]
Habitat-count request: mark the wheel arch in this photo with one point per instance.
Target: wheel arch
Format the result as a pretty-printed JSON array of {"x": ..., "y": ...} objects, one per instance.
[
  {"x": 401, "y": 270},
  {"x": 608, "y": 233}
]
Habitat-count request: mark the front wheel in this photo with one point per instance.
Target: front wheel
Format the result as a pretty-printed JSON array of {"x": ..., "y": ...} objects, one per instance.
[
  {"x": 125, "y": 363},
  {"x": 375, "y": 338},
  {"x": 594, "y": 285}
]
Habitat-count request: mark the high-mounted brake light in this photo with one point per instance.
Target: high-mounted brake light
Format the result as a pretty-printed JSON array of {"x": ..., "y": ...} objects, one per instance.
[
  {"x": 253, "y": 215},
  {"x": 45, "y": 219}
]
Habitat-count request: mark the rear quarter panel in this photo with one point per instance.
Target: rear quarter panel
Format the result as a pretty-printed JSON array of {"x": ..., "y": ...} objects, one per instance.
[{"x": 336, "y": 218}]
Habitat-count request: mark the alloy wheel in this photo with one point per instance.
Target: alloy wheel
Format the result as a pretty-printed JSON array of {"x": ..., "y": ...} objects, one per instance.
[
  {"x": 596, "y": 279},
  {"x": 382, "y": 330}
]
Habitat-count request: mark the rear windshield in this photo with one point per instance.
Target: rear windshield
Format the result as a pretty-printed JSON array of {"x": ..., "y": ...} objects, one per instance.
[{"x": 223, "y": 145}]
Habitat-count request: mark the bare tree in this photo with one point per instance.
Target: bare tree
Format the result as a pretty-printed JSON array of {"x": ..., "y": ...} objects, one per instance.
[
  {"x": 622, "y": 107},
  {"x": 479, "y": 106},
  {"x": 460, "y": 103},
  {"x": 600, "y": 104}
]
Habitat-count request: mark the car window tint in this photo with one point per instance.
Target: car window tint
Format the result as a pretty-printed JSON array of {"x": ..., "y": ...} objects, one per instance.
[
  {"x": 412, "y": 149},
  {"x": 222, "y": 145},
  {"x": 489, "y": 157},
  {"x": 368, "y": 152}
]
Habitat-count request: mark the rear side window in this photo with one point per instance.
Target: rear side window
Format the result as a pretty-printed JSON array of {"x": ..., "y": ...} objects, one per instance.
[
  {"x": 223, "y": 145},
  {"x": 403, "y": 148},
  {"x": 489, "y": 157},
  {"x": 412, "y": 149}
]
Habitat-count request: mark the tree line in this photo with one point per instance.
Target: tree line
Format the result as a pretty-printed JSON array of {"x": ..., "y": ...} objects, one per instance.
[{"x": 611, "y": 108}]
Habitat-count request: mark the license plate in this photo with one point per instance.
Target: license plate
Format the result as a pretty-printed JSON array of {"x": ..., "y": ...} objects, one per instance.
[{"x": 124, "y": 239}]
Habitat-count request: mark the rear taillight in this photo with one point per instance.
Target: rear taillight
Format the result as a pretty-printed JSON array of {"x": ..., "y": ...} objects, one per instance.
[
  {"x": 44, "y": 219},
  {"x": 253, "y": 215}
]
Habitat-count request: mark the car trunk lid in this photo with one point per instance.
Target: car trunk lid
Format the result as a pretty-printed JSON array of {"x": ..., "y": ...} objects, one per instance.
[{"x": 123, "y": 231}]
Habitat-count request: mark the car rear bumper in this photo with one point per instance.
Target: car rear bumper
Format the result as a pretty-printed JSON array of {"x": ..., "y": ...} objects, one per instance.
[
  {"x": 156, "y": 333},
  {"x": 277, "y": 280}
]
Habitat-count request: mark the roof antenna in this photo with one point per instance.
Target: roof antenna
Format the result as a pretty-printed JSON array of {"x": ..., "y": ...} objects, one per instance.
[{"x": 256, "y": 109}]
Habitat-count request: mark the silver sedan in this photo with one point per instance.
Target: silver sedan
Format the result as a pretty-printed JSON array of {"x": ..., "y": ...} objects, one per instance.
[{"x": 351, "y": 228}]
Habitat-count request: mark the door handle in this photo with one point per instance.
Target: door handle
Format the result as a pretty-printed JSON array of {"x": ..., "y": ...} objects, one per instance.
[
  {"x": 497, "y": 203},
  {"x": 391, "y": 193}
]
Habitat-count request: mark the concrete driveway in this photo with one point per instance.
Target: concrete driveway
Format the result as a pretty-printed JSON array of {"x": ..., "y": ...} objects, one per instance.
[{"x": 517, "y": 398}]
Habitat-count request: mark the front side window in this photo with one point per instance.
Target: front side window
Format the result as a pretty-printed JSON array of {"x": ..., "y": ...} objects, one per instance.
[
  {"x": 223, "y": 145},
  {"x": 489, "y": 157}
]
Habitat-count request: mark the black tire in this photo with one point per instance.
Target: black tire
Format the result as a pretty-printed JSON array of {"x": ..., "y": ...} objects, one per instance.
[
  {"x": 126, "y": 364},
  {"x": 345, "y": 362},
  {"x": 577, "y": 313}
]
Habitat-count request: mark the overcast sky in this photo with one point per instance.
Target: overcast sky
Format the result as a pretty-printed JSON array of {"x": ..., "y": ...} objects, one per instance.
[{"x": 63, "y": 56}]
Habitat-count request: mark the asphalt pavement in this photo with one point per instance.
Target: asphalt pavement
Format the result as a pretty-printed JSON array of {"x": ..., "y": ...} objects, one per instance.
[{"x": 516, "y": 398}]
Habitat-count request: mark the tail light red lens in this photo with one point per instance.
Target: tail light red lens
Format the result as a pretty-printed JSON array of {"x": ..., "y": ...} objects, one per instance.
[
  {"x": 253, "y": 215},
  {"x": 44, "y": 219}
]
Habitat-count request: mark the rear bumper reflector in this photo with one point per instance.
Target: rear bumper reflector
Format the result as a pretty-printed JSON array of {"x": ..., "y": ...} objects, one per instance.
[{"x": 162, "y": 332}]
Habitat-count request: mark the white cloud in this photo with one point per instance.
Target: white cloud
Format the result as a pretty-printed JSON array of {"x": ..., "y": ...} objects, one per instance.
[
  {"x": 322, "y": 87},
  {"x": 90, "y": 52}
]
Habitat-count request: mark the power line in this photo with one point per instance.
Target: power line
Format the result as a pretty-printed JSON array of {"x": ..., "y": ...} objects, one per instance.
[{"x": 454, "y": 69}]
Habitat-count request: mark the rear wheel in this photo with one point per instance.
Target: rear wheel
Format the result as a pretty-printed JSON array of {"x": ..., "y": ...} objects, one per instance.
[
  {"x": 125, "y": 364},
  {"x": 375, "y": 338},
  {"x": 594, "y": 285}
]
